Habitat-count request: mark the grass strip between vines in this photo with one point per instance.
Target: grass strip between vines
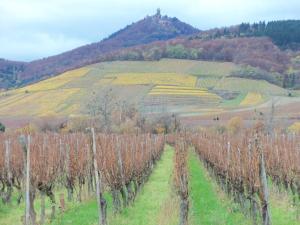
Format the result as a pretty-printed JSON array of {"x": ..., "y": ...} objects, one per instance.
[
  {"x": 208, "y": 204},
  {"x": 156, "y": 204}
]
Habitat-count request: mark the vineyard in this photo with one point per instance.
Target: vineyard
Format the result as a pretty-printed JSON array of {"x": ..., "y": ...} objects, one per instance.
[
  {"x": 181, "y": 90},
  {"x": 155, "y": 78},
  {"x": 55, "y": 82},
  {"x": 68, "y": 93},
  {"x": 158, "y": 123},
  {"x": 120, "y": 163},
  {"x": 242, "y": 166},
  {"x": 41, "y": 103},
  {"x": 252, "y": 98},
  {"x": 116, "y": 170},
  {"x": 208, "y": 82},
  {"x": 246, "y": 85},
  {"x": 48, "y": 97},
  {"x": 172, "y": 99}
]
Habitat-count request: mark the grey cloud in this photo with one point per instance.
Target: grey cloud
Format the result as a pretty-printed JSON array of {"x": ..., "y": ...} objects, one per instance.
[{"x": 31, "y": 29}]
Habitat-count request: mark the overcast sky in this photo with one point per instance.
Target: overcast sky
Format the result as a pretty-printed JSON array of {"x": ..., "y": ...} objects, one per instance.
[{"x": 32, "y": 29}]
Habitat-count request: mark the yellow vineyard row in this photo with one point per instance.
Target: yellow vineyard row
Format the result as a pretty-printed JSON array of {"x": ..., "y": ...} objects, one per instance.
[
  {"x": 178, "y": 88},
  {"x": 178, "y": 91},
  {"x": 182, "y": 91},
  {"x": 55, "y": 82},
  {"x": 206, "y": 95},
  {"x": 105, "y": 81},
  {"x": 155, "y": 78},
  {"x": 38, "y": 103},
  {"x": 252, "y": 98}
]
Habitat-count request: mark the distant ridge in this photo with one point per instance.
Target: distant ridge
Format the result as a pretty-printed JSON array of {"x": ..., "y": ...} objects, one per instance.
[
  {"x": 9, "y": 72},
  {"x": 150, "y": 29},
  {"x": 258, "y": 45}
]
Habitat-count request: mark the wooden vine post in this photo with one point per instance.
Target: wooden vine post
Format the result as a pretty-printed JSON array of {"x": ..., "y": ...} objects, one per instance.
[
  {"x": 101, "y": 204},
  {"x": 264, "y": 193},
  {"x": 120, "y": 165},
  {"x": 227, "y": 182},
  {"x": 8, "y": 169},
  {"x": 26, "y": 148}
]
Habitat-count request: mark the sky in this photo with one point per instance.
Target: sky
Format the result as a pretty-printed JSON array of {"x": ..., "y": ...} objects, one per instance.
[{"x": 33, "y": 29}]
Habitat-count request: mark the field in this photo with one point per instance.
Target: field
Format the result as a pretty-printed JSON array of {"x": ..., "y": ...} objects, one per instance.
[
  {"x": 55, "y": 82},
  {"x": 245, "y": 85},
  {"x": 39, "y": 103},
  {"x": 155, "y": 78},
  {"x": 208, "y": 82},
  {"x": 252, "y": 98},
  {"x": 179, "y": 99},
  {"x": 184, "y": 87},
  {"x": 192, "y": 67},
  {"x": 181, "y": 90}
]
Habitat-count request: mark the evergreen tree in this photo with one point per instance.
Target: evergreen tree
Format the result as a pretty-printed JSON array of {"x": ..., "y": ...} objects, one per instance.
[{"x": 2, "y": 127}]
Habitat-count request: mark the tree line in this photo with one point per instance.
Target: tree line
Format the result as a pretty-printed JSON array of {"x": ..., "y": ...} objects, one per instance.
[{"x": 284, "y": 33}]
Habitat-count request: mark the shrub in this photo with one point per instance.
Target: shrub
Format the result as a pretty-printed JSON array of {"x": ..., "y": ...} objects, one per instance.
[
  {"x": 29, "y": 128},
  {"x": 77, "y": 124},
  {"x": 179, "y": 51},
  {"x": 153, "y": 54},
  {"x": 176, "y": 51},
  {"x": 2, "y": 127},
  {"x": 235, "y": 124},
  {"x": 255, "y": 73},
  {"x": 294, "y": 128}
]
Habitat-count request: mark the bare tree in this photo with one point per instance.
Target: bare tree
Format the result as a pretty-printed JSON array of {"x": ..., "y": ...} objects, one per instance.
[
  {"x": 101, "y": 108},
  {"x": 124, "y": 109}
]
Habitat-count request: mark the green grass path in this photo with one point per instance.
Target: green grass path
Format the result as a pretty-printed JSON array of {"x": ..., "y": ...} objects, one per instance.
[
  {"x": 155, "y": 204},
  {"x": 12, "y": 214},
  {"x": 283, "y": 212},
  {"x": 208, "y": 206}
]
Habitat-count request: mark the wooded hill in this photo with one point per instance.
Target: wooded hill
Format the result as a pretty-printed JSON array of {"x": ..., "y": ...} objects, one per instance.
[
  {"x": 284, "y": 33},
  {"x": 157, "y": 36},
  {"x": 149, "y": 29}
]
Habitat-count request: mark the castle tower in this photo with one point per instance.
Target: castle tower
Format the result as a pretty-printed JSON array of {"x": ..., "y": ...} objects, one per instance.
[{"x": 158, "y": 13}]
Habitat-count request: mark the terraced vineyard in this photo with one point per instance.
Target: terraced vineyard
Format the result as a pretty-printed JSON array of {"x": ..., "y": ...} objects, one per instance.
[
  {"x": 181, "y": 90},
  {"x": 181, "y": 86},
  {"x": 68, "y": 93},
  {"x": 173, "y": 98},
  {"x": 55, "y": 82},
  {"x": 48, "y": 97},
  {"x": 39, "y": 103}
]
